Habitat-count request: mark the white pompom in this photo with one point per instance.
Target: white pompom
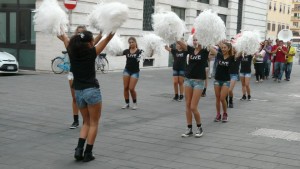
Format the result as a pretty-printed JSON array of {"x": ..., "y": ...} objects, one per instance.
[
  {"x": 210, "y": 28},
  {"x": 168, "y": 26},
  {"x": 151, "y": 44},
  {"x": 248, "y": 42},
  {"x": 50, "y": 18},
  {"x": 115, "y": 47},
  {"x": 190, "y": 40},
  {"x": 108, "y": 17}
]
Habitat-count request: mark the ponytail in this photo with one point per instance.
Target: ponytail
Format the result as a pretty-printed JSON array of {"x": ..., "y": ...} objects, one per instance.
[{"x": 80, "y": 42}]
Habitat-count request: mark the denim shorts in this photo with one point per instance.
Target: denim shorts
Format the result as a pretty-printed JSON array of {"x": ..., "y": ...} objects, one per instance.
[
  {"x": 221, "y": 83},
  {"x": 194, "y": 83},
  {"x": 89, "y": 96},
  {"x": 245, "y": 74},
  {"x": 178, "y": 73},
  {"x": 131, "y": 74},
  {"x": 234, "y": 77}
]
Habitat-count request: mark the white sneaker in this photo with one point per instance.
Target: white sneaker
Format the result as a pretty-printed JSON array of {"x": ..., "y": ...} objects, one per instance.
[
  {"x": 126, "y": 106},
  {"x": 134, "y": 106},
  {"x": 199, "y": 132},
  {"x": 188, "y": 133}
]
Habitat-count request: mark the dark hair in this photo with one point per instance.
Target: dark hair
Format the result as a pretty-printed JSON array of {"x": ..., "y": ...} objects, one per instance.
[
  {"x": 80, "y": 42},
  {"x": 133, "y": 38}
]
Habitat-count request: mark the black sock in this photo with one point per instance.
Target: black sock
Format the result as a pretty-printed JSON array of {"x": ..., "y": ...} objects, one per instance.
[
  {"x": 181, "y": 96},
  {"x": 88, "y": 148},
  {"x": 199, "y": 125},
  {"x": 134, "y": 100},
  {"x": 230, "y": 99},
  {"x": 76, "y": 117},
  {"x": 176, "y": 95},
  {"x": 127, "y": 101},
  {"x": 81, "y": 142},
  {"x": 204, "y": 90},
  {"x": 189, "y": 126}
]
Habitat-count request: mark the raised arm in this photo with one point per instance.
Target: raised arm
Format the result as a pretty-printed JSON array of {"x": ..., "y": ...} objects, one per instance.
[
  {"x": 103, "y": 43},
  {"x": 183, "y": 45},
  {"x": 168, "y": 48},
  {"x": 98, "y": 38},
  {"x": 212, "y": 52},
  {"x": 64, "y": 38}
]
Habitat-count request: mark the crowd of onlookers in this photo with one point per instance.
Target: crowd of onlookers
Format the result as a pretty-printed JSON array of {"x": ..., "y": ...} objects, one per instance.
[{"x": 270, "y": 61}]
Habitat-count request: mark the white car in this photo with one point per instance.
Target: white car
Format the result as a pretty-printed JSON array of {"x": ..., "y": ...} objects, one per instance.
[{"x": 8, "y": 63}]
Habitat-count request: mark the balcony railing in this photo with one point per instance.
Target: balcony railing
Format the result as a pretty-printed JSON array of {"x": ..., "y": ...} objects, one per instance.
[
  {"x": 294, "y": 28},
  {"x": 296, "y": 2},
  {"x": 295, "y": 18},
  {"x": 295, "y": 9}
]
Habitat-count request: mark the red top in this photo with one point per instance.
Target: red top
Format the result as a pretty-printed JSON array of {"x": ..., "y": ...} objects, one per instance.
[{"x": 280, "y": 56}]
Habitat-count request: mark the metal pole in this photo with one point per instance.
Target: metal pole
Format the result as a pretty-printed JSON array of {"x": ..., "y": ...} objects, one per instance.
[{"x": 70, "y": 22}]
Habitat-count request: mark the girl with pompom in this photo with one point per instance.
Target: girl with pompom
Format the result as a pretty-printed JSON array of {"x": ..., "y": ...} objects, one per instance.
[
  {"x": 83, "y": 53},
  {"x": 245, "y": 75},
  {"x": 75, "y": 124},
  {"x": 131, "y": 72},
  {"x": 178, "y": 69},
  {"x": 194, "y": 83},
  {"x": 234, "y": 76},
  {"x": 222, "y": 80}
]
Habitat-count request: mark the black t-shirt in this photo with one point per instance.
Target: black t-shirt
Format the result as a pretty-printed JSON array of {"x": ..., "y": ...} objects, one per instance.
[
  {"x": 246, "y": 64},
  {"x": 83, "y": 69},
  {"x": 235, "y": 66},
  {"x": 223, "y": 65},
  {"x": 179, "y": 59},
  {"x": 197, "y": 63},
  {"x": 132, "y": 60}
]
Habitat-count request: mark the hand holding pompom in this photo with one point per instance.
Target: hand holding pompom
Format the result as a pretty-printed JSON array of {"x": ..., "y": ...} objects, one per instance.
[
  {"x": 108, "y": 17},
  {"x": 50, "y": 18},
  {"x": 210, "y": 28}
]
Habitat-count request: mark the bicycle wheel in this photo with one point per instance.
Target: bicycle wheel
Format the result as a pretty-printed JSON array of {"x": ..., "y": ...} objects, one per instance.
[
  {"x": 104, "y": 66},
  {"x": 57, "y": 64}
]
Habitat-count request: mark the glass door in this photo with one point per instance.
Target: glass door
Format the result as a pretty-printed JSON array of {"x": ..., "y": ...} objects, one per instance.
[{"x": 17, "y": 35}]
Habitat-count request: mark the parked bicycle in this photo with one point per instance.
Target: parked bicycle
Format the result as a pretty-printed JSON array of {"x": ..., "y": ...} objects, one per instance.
[
  {"x": 61, "y": 64},
  {"x": 101, "y": 63}
]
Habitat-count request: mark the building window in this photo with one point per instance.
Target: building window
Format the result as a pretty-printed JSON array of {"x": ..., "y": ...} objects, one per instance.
[
  {"x": 274, "y": 6},
  {"x": 284, "y": 9},
  {"x": 204, "y": 1},
  {"x": 148, "y": 11},
  {"x": 282, "y": 27},
  {"x": 279, "y": 27},
  {"x": 269, "y": 26},
  {"x": 270, "y": 5},
  {"x": 223, "y": 3},
  {"x": 295, "y": 24},
  {"x": 287, "y": 27},
  {"x": 280, "y": 8},
  {"x": 223, "y": 17},
  {"x": 198, "y": 12},
  {"x": 180, "y": 12},
  {"x": 273, "y": 27},
  {"x": 288, "y": 9},
  {"x": 239, "y": 16}
]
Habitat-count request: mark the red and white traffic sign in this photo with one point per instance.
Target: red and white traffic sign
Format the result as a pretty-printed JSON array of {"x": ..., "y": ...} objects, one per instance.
[{"x": 70, "y": 4}]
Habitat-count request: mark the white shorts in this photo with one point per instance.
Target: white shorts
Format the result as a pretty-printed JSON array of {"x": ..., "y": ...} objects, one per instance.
[{"x": 70, "y": 76}]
